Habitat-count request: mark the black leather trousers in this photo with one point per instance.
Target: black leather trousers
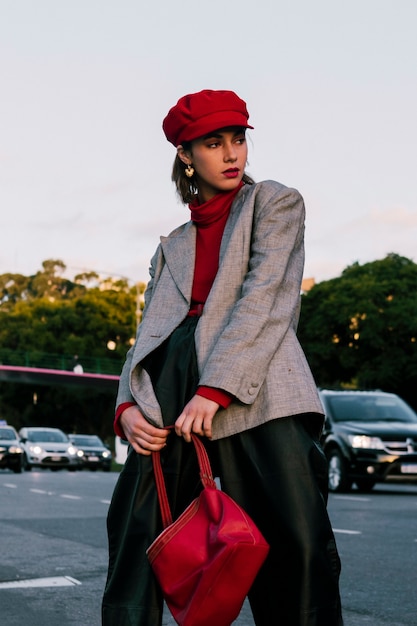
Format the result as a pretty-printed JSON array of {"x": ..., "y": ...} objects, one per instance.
[{"x": 277, "y": 472}]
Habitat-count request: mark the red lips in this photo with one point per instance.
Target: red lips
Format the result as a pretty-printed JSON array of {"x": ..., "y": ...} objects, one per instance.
[{"x": 233, "y": 172}]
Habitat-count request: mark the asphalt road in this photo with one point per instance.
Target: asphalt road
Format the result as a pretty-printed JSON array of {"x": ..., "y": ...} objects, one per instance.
[{"x": 53, "y": 552}]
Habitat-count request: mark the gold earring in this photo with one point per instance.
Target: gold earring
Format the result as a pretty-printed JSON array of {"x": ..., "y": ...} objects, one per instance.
[{"x": 189, "y": 170}]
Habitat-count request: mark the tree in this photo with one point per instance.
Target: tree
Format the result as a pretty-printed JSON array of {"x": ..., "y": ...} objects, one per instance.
[
  {"x": 46, "y": 316},
  {"x": 13, "y": 287},
  {"x": 50, "y": 314},
  {"x": 360, "y": 329},
  {"x": 45, "y": 284}
]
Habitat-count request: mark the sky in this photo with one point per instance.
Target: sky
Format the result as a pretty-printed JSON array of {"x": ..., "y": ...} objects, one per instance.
[{"x": 85, "y": 170}]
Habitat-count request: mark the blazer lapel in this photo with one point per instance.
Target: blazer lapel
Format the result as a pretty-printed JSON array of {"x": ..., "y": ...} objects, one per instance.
[
  {"x": 235, "y": 212},
  {"x": 179, "y": 255}
]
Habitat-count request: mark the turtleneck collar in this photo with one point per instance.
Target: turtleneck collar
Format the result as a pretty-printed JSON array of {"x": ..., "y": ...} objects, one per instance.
[{"x": 214, "y": 209}]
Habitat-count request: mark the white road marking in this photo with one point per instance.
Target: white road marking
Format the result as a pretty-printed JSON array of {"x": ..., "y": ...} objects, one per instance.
[
  {"x": 43, "y": 492},
  {"x": 347, "y": 532},
  {"x": 354, "y": 498},
  {"x": 56, "y": 581},
  {"x": 52, "y": 493}
]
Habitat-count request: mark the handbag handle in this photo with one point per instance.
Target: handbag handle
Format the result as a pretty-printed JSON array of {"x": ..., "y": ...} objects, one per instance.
[{"x": 206, "y": 477}]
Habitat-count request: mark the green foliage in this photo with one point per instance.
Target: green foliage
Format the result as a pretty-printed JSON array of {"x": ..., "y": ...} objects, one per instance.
[
  {"x": 47, "y": 313},
  {"x": 360, "y": 329},
  {"x": 89, "y": 317}
]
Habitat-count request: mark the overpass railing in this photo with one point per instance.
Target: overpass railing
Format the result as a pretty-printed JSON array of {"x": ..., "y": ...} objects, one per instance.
[{"x": 96, "y": 365}]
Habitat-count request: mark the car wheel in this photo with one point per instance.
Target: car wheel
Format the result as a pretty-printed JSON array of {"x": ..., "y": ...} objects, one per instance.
[
  {"x": 337, "y": 474},
  {"x": 18, "y": 468},
  {"x": 26, "y": 465},
  {"x": 365, "y": 484}
]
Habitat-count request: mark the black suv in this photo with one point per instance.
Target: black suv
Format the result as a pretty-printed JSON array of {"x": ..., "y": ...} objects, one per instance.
[
  {"x": 11, "y": 452},
  {"x": 369, "y": 436}
]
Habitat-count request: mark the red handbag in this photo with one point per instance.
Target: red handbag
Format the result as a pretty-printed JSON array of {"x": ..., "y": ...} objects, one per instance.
[{"x": 206, "y": 561}]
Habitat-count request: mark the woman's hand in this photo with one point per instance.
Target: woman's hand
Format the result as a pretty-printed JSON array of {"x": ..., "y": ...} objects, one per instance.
[
  {"x": 196, "y": 417},
  {"x": 142, "y": 436}
]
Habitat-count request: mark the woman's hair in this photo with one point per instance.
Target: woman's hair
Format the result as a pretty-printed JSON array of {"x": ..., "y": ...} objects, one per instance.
[{"x": 187, "y": 188}]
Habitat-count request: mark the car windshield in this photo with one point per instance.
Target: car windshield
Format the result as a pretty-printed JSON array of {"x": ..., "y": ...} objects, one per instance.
[
  {"x": 370, "y": 408},
  {"x": 7, "y": 434},
  {"x": 50, "y": 436},
  {"x": 86, "y": 440}
]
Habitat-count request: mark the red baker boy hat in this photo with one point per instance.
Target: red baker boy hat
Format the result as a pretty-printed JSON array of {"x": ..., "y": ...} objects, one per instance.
[{"x": 200, "y": 113}]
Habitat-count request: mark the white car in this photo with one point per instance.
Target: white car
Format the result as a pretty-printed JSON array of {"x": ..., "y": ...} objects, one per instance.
[{"x": 47, "y": 447}]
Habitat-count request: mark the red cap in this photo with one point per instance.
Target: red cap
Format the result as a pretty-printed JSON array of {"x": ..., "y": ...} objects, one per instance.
[{"x": 200, "y": 113}]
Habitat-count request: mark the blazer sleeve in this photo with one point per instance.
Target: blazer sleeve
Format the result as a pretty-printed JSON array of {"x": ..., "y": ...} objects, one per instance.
[{"x": 268, "y": 306}]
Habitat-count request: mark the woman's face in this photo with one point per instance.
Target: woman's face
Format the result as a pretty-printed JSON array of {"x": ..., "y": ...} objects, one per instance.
[{"x": 219, "y": 161}]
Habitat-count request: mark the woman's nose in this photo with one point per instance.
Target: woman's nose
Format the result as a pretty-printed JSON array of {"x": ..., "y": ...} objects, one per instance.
[{"x": 230, "y": 153}]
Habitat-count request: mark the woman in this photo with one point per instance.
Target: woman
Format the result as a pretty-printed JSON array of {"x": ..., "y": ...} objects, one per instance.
[{"x": 217, "y": 354}]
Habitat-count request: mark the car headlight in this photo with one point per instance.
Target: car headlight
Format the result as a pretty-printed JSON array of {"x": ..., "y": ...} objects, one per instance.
[
  {"x": 106, "y": 454},
  {"x": 72, "y": 451},
  {"x": 35, "y": 450},
  {"x": 80, "y": 453},
  {"x": 15, "y": 450},
  {"x": 366, "y": 442}
]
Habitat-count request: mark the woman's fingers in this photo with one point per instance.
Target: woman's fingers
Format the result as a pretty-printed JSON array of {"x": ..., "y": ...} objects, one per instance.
[
  {"x": 197, "y": 417},
  {"x": 143, "y": 436}
]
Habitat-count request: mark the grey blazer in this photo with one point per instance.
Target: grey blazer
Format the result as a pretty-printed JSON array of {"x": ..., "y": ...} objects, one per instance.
[{"x": 246, "y": 339}]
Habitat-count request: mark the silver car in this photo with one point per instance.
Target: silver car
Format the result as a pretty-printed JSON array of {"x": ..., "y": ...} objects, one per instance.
[{"x": 47, "y": 447}]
